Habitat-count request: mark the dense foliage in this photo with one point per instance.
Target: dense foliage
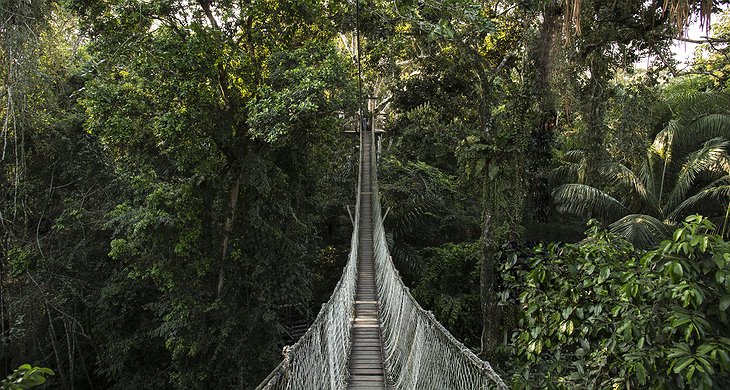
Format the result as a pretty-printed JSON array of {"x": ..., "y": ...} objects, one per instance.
[
  {"x": 168, "y": 202},
  {"x": 601, "y": 314}
]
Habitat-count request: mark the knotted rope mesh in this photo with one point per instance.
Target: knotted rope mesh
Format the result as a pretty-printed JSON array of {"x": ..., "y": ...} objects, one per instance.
[
  {"x": 419, "y": 352},
  {"x": 319, "y": 359}
]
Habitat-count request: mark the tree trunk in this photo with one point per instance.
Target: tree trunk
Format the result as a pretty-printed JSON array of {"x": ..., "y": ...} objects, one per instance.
[
  {"x": 228, "y": 228},
  {"x": 539, "y": 155},
  {"x": 490, "y": 313},
  {"x": 6, "y": 358},
  {"x": 594, "y": 95}
]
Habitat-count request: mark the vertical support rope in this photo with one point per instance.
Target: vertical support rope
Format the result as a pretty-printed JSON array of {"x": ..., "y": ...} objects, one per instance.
[{"x": 359, "y": 66}]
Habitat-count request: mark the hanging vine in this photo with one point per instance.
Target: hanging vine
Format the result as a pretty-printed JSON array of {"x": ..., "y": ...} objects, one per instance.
[{"x": 680, "y": 12}]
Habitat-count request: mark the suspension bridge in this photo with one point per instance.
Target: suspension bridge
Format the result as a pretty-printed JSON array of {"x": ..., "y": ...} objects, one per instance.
[{"x": 372, "y": 334}]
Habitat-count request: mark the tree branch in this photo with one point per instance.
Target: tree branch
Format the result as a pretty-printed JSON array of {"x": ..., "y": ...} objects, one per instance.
[
  {"x": 698, "y": 41},
  {"x": 205, "y": 5}
]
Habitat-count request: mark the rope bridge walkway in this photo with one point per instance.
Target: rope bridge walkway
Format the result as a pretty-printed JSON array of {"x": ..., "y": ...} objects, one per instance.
[{"x": 372, "y": 334}]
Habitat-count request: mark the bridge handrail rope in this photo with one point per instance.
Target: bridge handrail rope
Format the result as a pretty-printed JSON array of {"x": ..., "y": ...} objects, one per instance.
[
  {"x": 419, "y": 352},
  {"x": 320, "y": 356}
]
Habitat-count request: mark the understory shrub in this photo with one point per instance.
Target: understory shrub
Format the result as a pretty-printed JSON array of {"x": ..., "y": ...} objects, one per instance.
[{"x": 603, "y": 314}]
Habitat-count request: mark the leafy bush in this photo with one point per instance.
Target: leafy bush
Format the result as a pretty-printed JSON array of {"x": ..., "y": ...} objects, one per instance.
[
  {"x": 603, "y": 314},
  {"x": 450, "y": 288},
  {"x": 25, "y": 377}
]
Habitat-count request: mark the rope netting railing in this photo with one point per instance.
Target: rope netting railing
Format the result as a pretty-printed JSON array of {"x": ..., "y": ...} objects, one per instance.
[
  {"x": 319, "y": 359},
  {"x": 419, "y": 352}
]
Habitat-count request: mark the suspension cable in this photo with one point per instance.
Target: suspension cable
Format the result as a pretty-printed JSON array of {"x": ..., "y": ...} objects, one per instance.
[{"x": 359, "y": 66}]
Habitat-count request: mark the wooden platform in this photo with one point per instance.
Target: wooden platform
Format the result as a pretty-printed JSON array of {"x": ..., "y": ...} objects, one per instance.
[{"x": 366, "y": 356}]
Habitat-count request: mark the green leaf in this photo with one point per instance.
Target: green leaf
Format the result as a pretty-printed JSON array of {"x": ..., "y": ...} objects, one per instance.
[
  {"x": 590, "y": 268},
  {"x": 678, "y": 234},
  {"x": 724, "y": 357},
  {"x": 681, "y": 350},
  {"x": 682, "y": 363},
  {"x": 640, "y": 373},
  {"x": 605, "y": 273},
  {"x": 724, "y": 302},
  {"x": 720, "y": 277},
  {"x": 617, "y": 309},
  {"x": 677, "y": 271},
  {"x": 719, "y": 260},
  {"x": 493, "y": 170},
  {"x": 690, "y": 372},
  {"x": 705, "y": 366},
  {"x": 677, "y": 322},
  {"x": 704, "y": 243},
  {"x": 704, "y": 349},
  {"x": 479, "y": 166},
  {"x": 567, "y": 312}
]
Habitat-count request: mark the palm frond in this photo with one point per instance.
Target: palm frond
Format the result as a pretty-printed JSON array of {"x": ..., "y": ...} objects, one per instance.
[
  {"x": 567, "y": 172},
  {"x": 648, "y": 174},
  {"x": 412, "y": 219},
  {"x": 587, "y": 201},
  {"x": 623, "y": 177},
  {"x": 686, "y": 106},
  {"x": 406, "y": 257},
  {"x": 718, "y": 191},
  {"x": 574, "y": 155},
  {"x": 724, "y": 164},
  {"x": 573, "y": 167},
  {"x": 641, "y": 230},
  {"x": 708, "y": 157},
  {"x": 699, "y": 131},
  {"x": 662, "y": 145}
]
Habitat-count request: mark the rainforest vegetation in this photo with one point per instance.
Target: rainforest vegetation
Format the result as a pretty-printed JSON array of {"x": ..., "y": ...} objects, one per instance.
[{"x": 174, "y": 177}]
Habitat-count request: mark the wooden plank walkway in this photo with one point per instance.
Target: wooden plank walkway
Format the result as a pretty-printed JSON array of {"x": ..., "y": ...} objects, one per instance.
[{"x": 366, "y": 356}]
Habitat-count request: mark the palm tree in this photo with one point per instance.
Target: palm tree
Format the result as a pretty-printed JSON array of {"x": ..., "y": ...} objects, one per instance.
[{"x": 686, "y": 170}]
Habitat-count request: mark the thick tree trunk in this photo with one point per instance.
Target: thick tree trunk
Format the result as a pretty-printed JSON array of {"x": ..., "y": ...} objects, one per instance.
[
  {"x": 594, "y": 96},
  {"x": 595, "y": 132},
  {"x": 490, "y": 310},
  {"x": 539, "y": 155},
  {"x": 228, "y": 228}
]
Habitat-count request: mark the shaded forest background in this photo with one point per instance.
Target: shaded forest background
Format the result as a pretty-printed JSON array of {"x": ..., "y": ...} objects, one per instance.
[{"x": 174, "y": 175}]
